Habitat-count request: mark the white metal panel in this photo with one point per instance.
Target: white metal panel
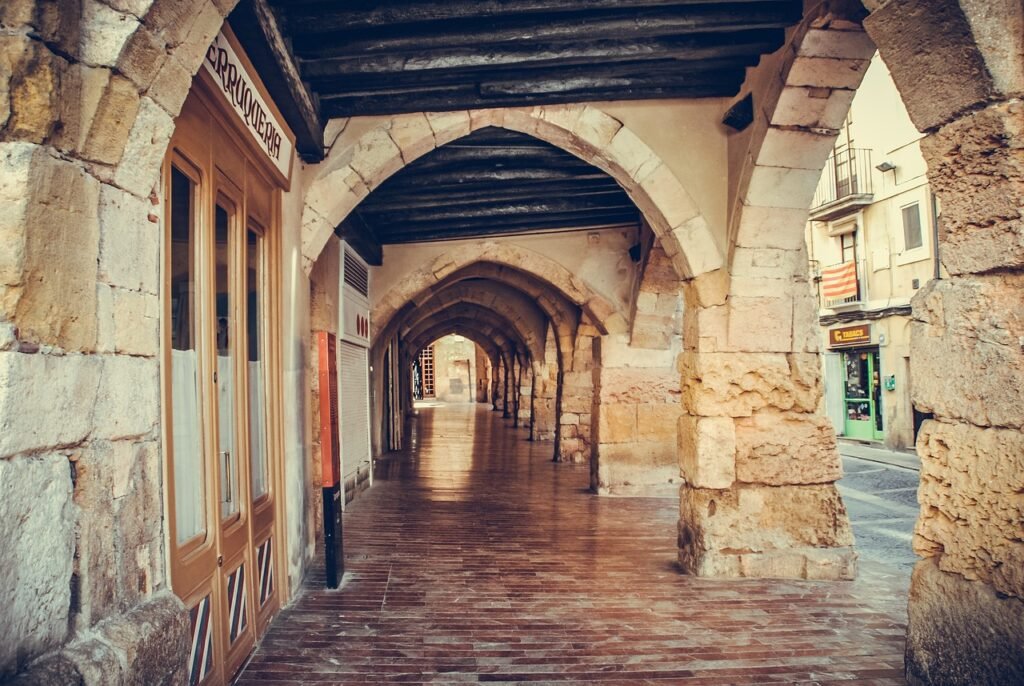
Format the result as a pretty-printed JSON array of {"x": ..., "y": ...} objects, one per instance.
[{"x": 354, "y": 392}]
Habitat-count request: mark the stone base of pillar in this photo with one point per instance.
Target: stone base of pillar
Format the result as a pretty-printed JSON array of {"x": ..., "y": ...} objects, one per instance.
[
  {"x": 962, "y": 631},
  {"x": 755, "y": 531},
  {"x": 147, "y": 645}
]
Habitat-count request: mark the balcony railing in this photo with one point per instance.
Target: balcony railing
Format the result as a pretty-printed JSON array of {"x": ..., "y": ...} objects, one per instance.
[{"x": 846, "y": 176}]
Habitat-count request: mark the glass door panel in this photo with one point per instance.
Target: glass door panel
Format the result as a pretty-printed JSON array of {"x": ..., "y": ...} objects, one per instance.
[
  {"x": 257, "y": 414},
  {"x": 186, "y": 437},
  {"x": 223, "y": 245}
]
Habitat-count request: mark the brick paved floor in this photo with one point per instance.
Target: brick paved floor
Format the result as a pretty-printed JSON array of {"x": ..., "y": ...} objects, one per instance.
[{"x": 473, "y": 559}]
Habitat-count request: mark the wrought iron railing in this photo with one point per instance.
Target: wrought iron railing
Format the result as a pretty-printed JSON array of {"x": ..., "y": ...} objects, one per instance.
[{"x": 846, "y": 173}]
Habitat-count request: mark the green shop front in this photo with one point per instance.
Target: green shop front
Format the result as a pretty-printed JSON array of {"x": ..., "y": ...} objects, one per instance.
[{"x": 860, "y": 374}]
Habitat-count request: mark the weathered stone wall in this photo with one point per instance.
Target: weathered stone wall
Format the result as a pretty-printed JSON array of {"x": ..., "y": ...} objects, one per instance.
[
  {"x": 961, "y": 84},
  {"x": 88, "y": 93}
]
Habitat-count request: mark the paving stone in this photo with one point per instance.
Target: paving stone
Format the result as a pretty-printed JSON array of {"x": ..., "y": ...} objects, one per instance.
[{"x": 475, "y": 559}]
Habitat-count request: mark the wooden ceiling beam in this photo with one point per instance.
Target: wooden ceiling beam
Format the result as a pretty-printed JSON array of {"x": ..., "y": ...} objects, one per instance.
[
  {"x": 615, "y": 24},
  {"x": 342, "y": 106},
  {"x": 485, "y": 195},
  {"x": 583, "y": 53},
  {"x": 501, "y": 210},
  {"x": 357, "y": 14},
  {"x": 548, "y": 222}
]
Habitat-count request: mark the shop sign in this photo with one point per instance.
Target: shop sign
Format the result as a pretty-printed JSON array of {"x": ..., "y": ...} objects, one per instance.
[
  {"x": 245, "y": 97},
  {"x": 846, "y": 336}
]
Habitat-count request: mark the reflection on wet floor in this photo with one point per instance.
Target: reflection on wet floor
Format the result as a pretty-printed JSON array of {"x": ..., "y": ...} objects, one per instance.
[{"x": 474, "y": 558}]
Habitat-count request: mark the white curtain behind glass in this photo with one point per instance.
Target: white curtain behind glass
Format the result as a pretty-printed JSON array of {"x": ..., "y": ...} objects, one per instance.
[
  {"x": 257, "y": 430},
  {"x": 226, "y": 436},
  {"x": 188, "y": 462}
]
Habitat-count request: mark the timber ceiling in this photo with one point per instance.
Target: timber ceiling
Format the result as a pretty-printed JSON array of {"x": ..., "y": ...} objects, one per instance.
[
  {"x": 324, "y": 59},
  {"x": 365, "y": 57},
  {"x": 490, "y": 182}
]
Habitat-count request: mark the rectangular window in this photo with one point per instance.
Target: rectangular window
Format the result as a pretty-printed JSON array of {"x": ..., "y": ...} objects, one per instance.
[
  {"x": 187, "y": 451},
  {"x": 912, "y": 227}
]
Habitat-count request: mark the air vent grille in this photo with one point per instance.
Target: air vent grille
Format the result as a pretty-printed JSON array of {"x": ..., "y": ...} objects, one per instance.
[{"x": 355, "y": 274}]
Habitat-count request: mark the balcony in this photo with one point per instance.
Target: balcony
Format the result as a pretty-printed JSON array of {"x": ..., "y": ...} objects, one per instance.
[
  {"x": 845, "y": 185},
  {"x": 841, "y": 286}
]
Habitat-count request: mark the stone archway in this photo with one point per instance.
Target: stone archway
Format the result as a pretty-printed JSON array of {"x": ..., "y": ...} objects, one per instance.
[{"x": 349, "y": 175}]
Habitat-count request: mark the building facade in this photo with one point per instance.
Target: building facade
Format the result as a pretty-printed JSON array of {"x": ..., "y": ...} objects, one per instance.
[
  {"x": 180, "y": 194},
  {"x": 872, "y": 245}
]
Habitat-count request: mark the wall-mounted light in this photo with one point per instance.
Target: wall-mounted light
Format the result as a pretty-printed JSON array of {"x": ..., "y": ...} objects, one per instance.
[{"x": 885, "y": 166}]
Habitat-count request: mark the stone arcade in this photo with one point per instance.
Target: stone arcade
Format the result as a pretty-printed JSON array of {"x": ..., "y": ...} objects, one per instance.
[{"x": 666, "y": 333}]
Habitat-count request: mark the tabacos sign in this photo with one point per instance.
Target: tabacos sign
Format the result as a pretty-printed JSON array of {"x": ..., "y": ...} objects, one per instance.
[
  {"x": 849, "y": 335},
  {"x": 232, "y": 78}
]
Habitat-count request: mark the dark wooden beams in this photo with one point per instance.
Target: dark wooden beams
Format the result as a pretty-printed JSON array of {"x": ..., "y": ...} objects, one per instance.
[
  {"x": 256, "y": 26},
  {"x": 491, "y": 182},
  {"x": 367, "y": 57}
]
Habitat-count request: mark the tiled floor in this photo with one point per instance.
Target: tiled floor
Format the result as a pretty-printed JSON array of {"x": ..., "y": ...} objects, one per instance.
[{"x": 473, "y": 559}]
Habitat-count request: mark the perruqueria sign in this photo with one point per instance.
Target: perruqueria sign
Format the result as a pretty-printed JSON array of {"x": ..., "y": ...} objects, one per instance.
[{"x": 229, "y": 71}]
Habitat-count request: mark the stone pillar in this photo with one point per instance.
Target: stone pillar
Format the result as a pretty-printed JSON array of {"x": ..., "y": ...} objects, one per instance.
[
  {"x": 966, "y": 610},
  {"x": 636, "y": 410},
  {"x": 758, "y": 459},
  {"x": 967, "y": 370},
  {"x": 577, "y": 398}
]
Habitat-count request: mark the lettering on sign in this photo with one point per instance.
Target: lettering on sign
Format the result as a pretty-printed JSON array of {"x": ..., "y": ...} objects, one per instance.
[
  {"x": 223, "y": 63},
  {"x": 849, "y": 335}
]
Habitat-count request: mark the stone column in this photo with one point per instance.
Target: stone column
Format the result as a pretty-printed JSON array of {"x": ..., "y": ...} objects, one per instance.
[
  {"x": 961, "y": 82},
  {"x": 758, "y": 458},
  {"x": 577, "y": 398},
  {"x": 636, "y": 410},
  {"x": 967, "y": 371}
]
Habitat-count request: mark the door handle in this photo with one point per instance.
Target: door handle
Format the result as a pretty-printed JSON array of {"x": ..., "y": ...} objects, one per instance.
[{"x": 226, "y": 455}]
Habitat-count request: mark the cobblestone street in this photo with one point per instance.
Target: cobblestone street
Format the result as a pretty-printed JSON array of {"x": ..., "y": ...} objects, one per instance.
[{"x": 475, "y": 559}]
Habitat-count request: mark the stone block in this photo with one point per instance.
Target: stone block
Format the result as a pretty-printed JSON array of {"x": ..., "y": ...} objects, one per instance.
[
  {"x": 795, "y": 148},
  {"x": 112, "y": 124},
  {"x": 413, "y": 136},
  {"x": 750, "y": 519},
  {"x": 154, "y": 640},
  {"x": 37, "y": 527},
  {"x": 448, "y": 126},
  {"x": 617, "y": 423},
  {"x": 57, "y": 304},
  {"x": 962, "y": 632},
  {"x": 144, "y": 152},
  {"x": 659, "y": 423},
  {"x": 778, "y": 448},
  {"x": 29, "y": 101},
  {"x": 932, "y": 57},
  {"x": 971, "y": 507},
  {"x": 760, "y": 324},
  {"x": 639, "y": 386},
  {"x": 827, "y": 72},
  {"x": 46, "y": 401},
  {"x": 739, "y": 384},
  {"x": 855, "y": 45},
  {"x": 812, "y": 107},
  {"x": 104, "y": 33},
  {"x": 15, "y": 177},
  {"x": 782, "y": 187},
  {"x": 772, "y": 227},
  {"x": 136, "y": 320},
  {"x": 974, "y": 165},
  {"x": 129, "y": 251},
  {"x": 707, "y": 451},
  {"x": 962, "y": 326},
  {"x": 127, "y": 404}
]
